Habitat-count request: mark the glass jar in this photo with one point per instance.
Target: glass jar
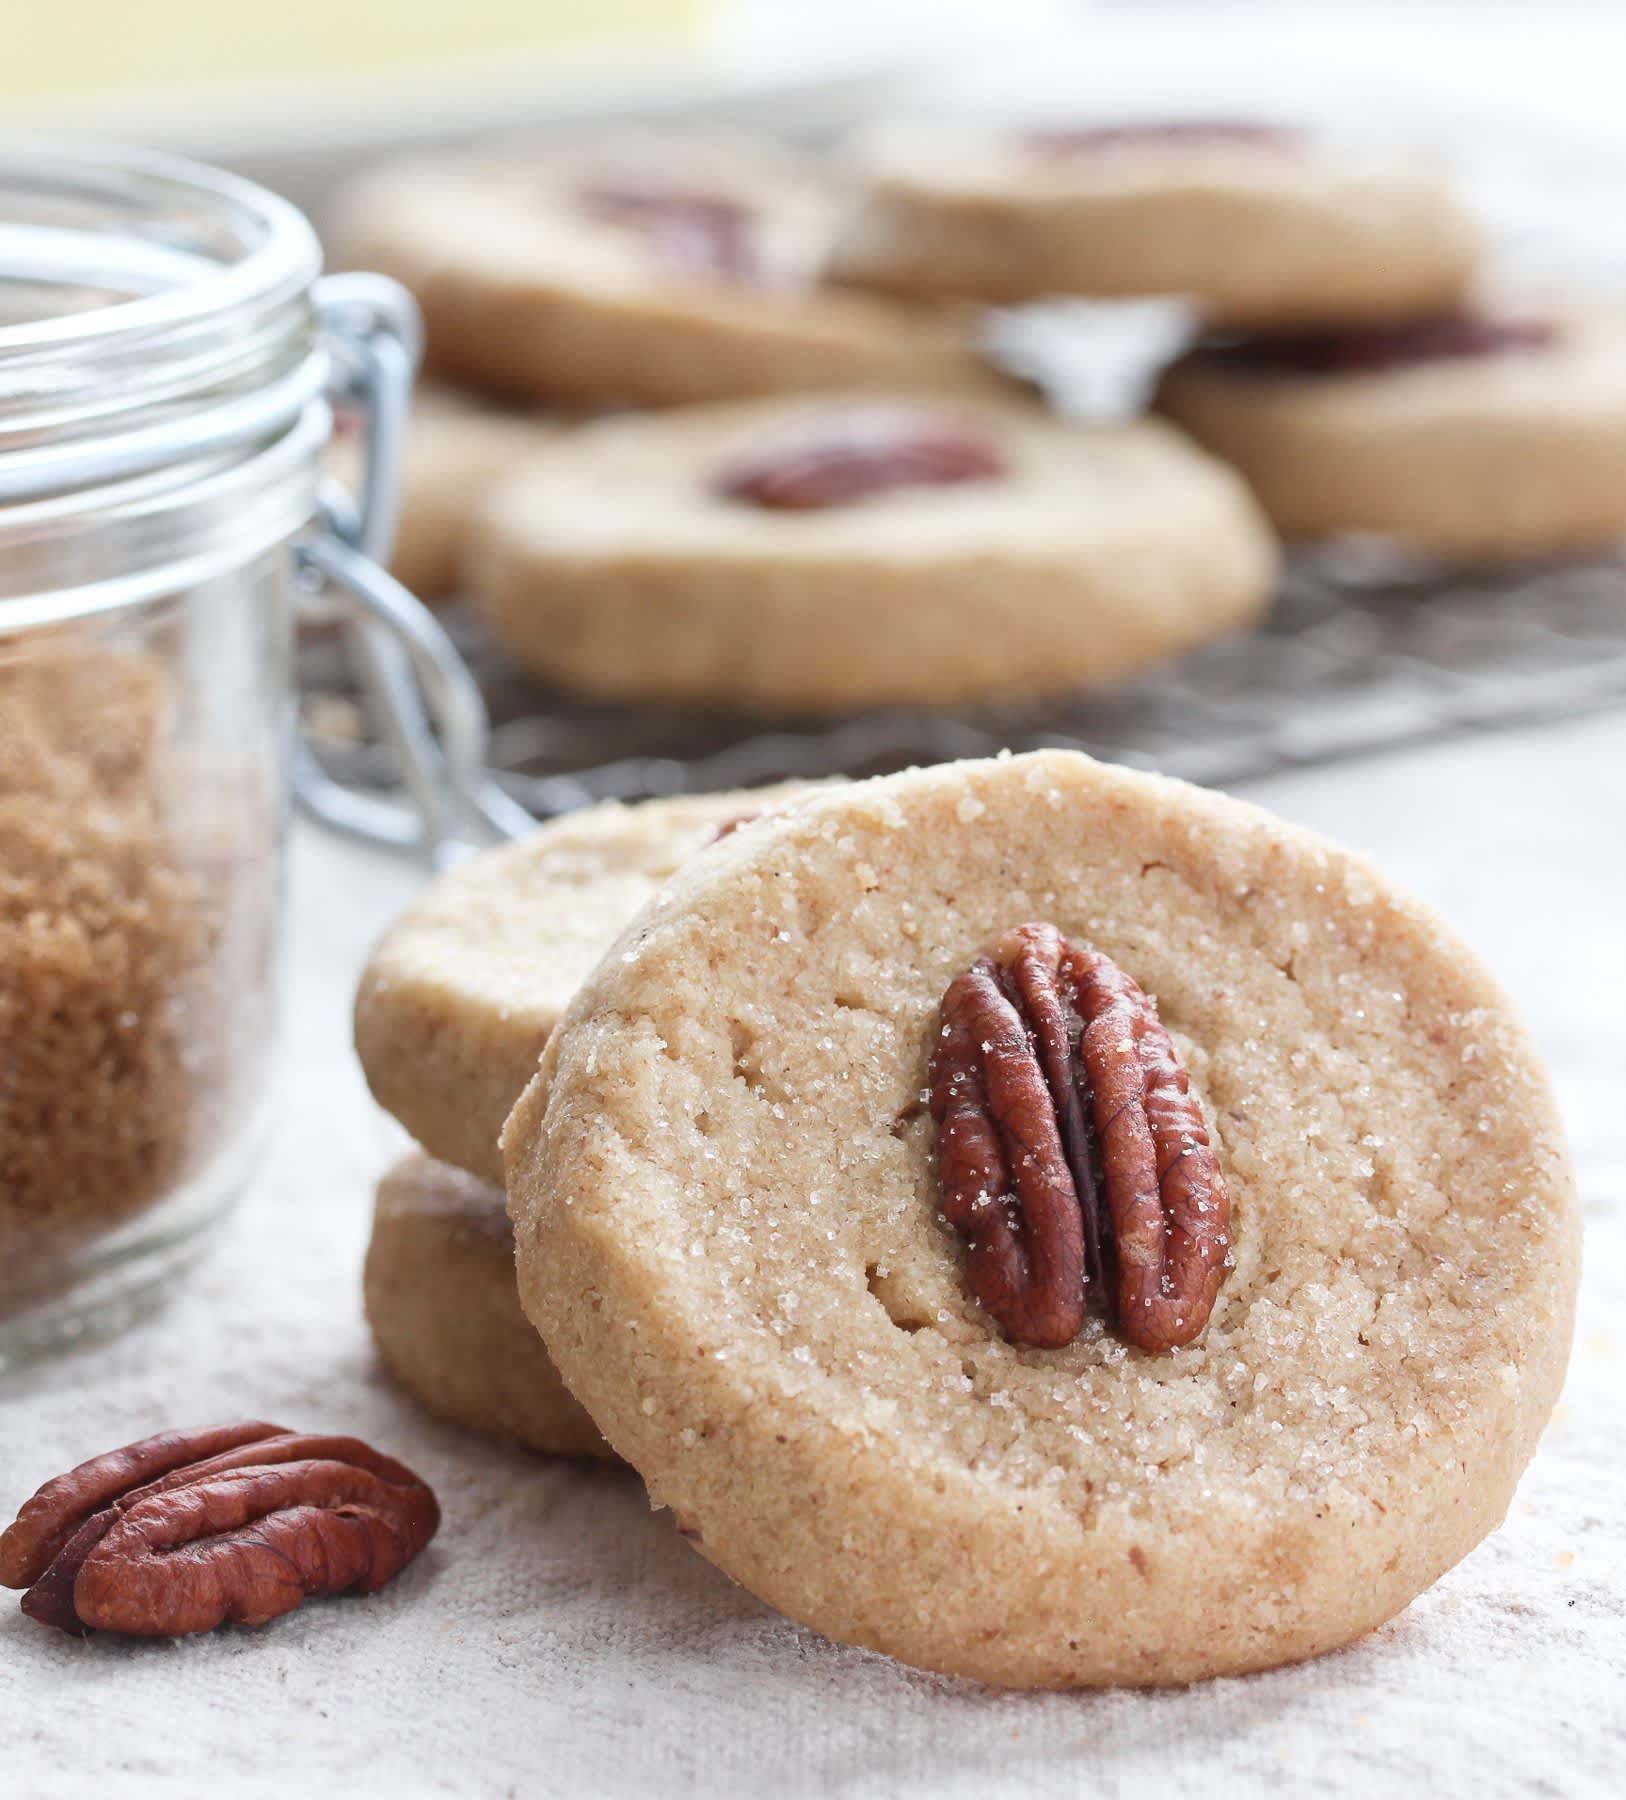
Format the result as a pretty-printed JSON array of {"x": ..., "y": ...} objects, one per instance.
[{"x": 167, "y": 361}]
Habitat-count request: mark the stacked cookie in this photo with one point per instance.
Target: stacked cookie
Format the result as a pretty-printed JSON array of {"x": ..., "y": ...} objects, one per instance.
[
  {"x": 1041, "y": 1221},
  {"x": 454, "y": 1008}
]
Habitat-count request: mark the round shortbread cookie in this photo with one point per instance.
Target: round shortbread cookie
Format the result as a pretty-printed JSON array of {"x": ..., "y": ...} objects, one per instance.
[
  {"x": 641, "y": 268},
  {"x": 626, "y": 561},
  {"x": 439, "y": 1290},
  {"x": 727, "y": 1217},
  {"x": 458, "y": 448},
  {"x": 1515, "y": 449},
  {"x": 1254, "y": 226},
  {"x": 458, "y": 997}
]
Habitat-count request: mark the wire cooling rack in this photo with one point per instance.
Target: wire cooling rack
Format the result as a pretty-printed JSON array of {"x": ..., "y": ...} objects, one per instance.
[
  {"x": 1361, "y": 652},
  {"x": 1355, "y": 657}
]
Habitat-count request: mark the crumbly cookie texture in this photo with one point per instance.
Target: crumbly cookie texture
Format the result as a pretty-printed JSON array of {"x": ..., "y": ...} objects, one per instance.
[
  {"x": 727, "y": 1222},
  {"x": 439, "y": 1290},
  {"x": 530, "y": 284},
  {"x": 1517, "y": 452},
  {"x": 458, "y": 447},
  {"x": 1254, "y": 232},
  {"x": 619, "y": 564},
  {"x": 459, "y": 996}
]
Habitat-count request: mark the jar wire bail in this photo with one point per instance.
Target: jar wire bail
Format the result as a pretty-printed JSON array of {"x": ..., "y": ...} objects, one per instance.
[{"x": 419, "y": 695}]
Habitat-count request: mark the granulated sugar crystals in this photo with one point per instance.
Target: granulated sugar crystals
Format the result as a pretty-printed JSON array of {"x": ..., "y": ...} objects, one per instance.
[{"x": 124, "y": 947}]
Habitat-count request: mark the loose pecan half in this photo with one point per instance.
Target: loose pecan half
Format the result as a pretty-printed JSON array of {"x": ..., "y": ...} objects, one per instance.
[
  {"x": 687, "y": 233},
  {"x": 1070, "y": 1150},
  {"x": 192, "y": 1529},
  {"x": 860, "y": 454}
]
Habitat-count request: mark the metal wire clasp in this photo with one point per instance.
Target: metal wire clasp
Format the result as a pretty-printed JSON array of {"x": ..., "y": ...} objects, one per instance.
[{"x": 422, "y": 701}]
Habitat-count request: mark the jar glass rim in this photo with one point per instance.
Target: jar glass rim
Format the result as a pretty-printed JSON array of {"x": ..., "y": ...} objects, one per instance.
[
  {"x": 280, "y": 254},
  {"x": 165, "y": 350},
  {"x": 167, "y": 311}
]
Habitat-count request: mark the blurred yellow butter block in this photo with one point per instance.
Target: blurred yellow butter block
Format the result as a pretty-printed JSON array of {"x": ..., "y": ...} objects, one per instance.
[{"x": 79, "y": 49}]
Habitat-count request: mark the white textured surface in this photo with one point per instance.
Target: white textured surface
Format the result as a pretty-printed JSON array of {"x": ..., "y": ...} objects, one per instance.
[{"x": 558, "y": 1638}]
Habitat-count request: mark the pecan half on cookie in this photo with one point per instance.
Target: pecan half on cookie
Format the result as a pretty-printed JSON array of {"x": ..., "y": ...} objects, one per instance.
[
  {"x": 1071, "y": 1151},
  {"x": 188, "y": 1530},
  {"x": 687, "y": 233},
  {"x": 875, "y": 451},
  {"x": 1175, "y": 134},
  {"x": 1441, "y": 337}
]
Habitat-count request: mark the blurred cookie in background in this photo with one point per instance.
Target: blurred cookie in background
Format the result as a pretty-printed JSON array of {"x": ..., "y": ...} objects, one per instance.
[
  {"x": 1255, "y": 224},
  {"x": 837, "y": 552},
  {"x": 1494, "y": 431},
  {"x": 458, "y": 446},
  {"x": 640, "y": 268}
]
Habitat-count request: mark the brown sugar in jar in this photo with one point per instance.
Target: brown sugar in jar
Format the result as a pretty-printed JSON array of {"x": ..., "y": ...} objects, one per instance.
[{"x": 128, "y": 941}]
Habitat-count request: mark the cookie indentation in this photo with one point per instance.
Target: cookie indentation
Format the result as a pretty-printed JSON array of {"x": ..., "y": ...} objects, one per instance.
[
  {"x": 907, "y": 1118},
  {"x": 748, "y": 1067},
  {"x": 906, "y": 1314}
]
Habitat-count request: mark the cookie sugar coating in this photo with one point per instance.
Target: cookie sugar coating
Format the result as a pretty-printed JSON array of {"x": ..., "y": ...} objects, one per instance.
[
  {"x": 726, "y": 1214},
  {"x": 459, "y": 996},
  {"x": 439, "y": 1289}
]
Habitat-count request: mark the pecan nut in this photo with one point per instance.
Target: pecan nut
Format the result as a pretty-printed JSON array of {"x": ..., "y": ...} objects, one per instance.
[
  {"x": 1176, "y": 133},
  {"x": 856, "y": 457},
  {"x": 687, "y": 233},
  {"x": 1071, "y": 1152},
  {"x": 1369, "y": 349},
  {"x": 227, "y": 1524}
]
